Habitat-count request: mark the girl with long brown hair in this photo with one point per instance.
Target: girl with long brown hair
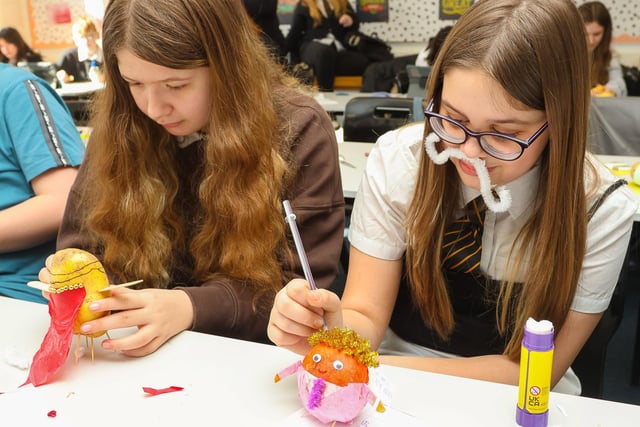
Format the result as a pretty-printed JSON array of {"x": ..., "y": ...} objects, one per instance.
[
  {"x": 198, "y": 137},
  {"x": 606, "y": 71},
  {"x": 506, "y": 127}
]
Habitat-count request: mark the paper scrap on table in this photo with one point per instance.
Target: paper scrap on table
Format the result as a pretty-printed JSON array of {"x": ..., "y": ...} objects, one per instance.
[
  {"x": 368, "y": 417},
  {"x": 156, "y": 391}
]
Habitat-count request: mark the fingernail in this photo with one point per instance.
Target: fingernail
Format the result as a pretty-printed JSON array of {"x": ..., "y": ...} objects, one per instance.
[
  {"x": 86, "y": 327},
  {"x": 107, "y": 345},
  {"x": 318, "y": 323},
  {"x": 94, "y": 306}
]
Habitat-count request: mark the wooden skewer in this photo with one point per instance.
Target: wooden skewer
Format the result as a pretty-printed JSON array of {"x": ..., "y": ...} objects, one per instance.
[
  {"x": 46, "y": 287},
  {"x": 39, "y": 285},
  {"x": 121, "y": 285}
]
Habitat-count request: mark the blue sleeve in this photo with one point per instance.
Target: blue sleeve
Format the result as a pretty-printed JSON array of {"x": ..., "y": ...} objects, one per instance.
[{"x": 40, "y": 128}]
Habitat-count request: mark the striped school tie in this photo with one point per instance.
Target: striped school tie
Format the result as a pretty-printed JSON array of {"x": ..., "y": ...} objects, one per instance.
[{"x": 462, "y": 243}]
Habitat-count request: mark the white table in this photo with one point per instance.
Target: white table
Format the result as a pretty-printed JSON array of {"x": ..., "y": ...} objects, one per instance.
[
  {"x": 335, "y": 102},
  {"x": 621, "y": 164},
  {"x": 353, "y": 159},
  {"x": 230, "y": 382},
  {"x": 73, "y": 90}
]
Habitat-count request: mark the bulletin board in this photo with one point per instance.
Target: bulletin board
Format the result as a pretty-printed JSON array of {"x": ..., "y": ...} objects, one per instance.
[{"x": 51, "y": 21}]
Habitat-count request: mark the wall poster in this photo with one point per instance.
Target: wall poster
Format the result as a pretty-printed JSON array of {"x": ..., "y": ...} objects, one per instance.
[
  {"x": 373, "y": 10},
  {"x": 452, "y": 9}
]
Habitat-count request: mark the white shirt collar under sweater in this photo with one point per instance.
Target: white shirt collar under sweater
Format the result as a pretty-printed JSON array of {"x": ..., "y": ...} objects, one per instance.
[{"x": 185, "y": 141}]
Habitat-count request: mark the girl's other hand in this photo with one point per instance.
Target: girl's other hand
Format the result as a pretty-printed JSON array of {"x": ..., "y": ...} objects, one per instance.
[
  {"x": 159, "y": 314},
  {"x": 345, "y": 20},
  {"x": 298, "y": 312}
]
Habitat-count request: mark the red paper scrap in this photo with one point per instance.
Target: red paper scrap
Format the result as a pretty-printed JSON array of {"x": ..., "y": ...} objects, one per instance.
[
  {"x": 52, "y": 414},
  {"x": 155, "y": 391}
]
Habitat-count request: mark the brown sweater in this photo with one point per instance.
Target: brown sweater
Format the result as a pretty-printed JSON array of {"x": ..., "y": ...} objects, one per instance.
[{"x": 226, "y": 306}]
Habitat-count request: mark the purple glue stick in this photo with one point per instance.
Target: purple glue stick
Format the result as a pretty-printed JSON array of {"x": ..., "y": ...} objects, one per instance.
[{"x": 536, "y": 358}]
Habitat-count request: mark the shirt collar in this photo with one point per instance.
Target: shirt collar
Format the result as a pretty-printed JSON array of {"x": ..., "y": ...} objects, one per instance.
[{"x": 185, "y": 141}]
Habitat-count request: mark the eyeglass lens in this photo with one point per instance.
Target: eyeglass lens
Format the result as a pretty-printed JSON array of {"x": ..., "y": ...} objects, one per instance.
[{"x": 496, "y": 146}]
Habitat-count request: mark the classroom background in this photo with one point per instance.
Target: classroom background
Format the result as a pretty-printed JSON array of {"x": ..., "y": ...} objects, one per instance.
[{"x": 46, "y": 24}]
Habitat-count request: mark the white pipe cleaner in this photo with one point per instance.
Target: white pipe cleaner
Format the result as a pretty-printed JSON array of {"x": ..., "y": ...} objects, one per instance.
[{"x": 499, "y": 203}]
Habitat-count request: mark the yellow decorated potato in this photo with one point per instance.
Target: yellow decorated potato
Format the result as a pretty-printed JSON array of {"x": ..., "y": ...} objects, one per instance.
[{"x": 72, "y": 268}]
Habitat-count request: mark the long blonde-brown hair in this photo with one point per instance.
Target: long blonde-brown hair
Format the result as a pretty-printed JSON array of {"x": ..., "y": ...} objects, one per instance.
[
  {"x": 339, "y": 9},
  {"x": 594, "y": 11},
  {"x": 536, "y": 50},
  {"x": 132, "y": 190}
]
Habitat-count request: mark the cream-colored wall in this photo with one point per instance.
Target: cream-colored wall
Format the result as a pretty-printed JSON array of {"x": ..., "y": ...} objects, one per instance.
[{"x": 15, "y": 13}]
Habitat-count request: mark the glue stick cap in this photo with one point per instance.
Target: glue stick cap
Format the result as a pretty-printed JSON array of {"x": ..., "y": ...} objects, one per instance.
[{"x": 538, "y": 335}]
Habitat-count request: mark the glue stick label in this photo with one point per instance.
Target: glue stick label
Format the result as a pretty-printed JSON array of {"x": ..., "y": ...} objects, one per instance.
[{"x": 535, "y": 384}]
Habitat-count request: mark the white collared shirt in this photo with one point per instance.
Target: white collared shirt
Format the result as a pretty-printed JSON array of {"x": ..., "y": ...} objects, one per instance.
[{"x": 377, "y": 221}]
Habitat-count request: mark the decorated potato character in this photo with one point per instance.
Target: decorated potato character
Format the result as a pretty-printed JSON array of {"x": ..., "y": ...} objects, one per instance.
[
  {"x": 77, "y": 279},
  {"x": 73, "y": 269},
  {"x": 333, "y": 377}
]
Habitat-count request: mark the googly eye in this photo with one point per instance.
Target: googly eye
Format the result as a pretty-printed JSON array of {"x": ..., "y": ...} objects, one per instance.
[
  {"x": 316, "y": 358},
  {"x": 338, "y": 365}
]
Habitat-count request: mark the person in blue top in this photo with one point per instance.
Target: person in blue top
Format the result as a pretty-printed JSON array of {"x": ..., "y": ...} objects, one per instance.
[{"x": 40, "y": 150}]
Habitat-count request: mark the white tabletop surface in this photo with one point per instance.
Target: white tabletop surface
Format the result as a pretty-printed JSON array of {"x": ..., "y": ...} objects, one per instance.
[
  {"x": 230, "y": 382},
  {"x": 335, "y": 102},
  {"x": 353, "y": 159},
  {"x": 78, "y": 89}
]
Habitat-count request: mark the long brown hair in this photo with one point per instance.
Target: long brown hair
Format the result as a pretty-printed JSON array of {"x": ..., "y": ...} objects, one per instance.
[
  {"x": 594, "y": 11},
  {"x": 339, "y": 9},
  {"x": 132, "y": 188},
  {"x": 510, "y": 41}
]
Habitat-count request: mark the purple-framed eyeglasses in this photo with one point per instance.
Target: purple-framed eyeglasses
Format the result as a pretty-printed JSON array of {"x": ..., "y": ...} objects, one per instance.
[{"x": 495, "y": 144}]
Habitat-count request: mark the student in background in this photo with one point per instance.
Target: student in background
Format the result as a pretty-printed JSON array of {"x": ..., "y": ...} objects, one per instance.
[
  {"x": 506, "y": 127},
  {"x": 40, "y": 149},
  {"x": 14, "y": 49},
  {"x": 606, "y": 71},
  {"x": 198, "y": 136},
  {"x": 319, "y": 37},
  {"x": 74, "y": 64},
  {"x": 264, "y": 14}
]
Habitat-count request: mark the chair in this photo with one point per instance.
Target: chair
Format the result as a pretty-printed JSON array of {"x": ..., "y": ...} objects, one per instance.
[
  {"x": 366, "y": 118},
  {"x": 417, "y": 80},
  {"x": 614, "y": 126}
]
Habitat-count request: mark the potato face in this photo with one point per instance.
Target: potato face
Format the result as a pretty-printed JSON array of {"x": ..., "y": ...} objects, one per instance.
[{"x": 72, "y": 268}]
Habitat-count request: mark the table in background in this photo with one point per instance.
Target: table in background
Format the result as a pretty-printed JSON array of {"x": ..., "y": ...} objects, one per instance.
[
  {"x": 353, "y": 159},
  {"x": 230, "y": 382},
  {"x": 335, "y": 102},
  {"x": 621, "y": 166},
  {"x": 75, "y": 90}
]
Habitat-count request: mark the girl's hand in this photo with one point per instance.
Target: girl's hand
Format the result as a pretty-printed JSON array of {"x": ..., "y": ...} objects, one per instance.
[
  {"x": 44, "y": 276},
  {"x": 345, "y": 20},
  {"x": 298, "y": 312},
  {"x": 159, "y": 314}
]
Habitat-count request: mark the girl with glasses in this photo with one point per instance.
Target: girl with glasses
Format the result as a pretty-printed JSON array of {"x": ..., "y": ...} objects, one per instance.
[
  {"x": 506, "y": 121},
  {"x": 198, "y": 137}
]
